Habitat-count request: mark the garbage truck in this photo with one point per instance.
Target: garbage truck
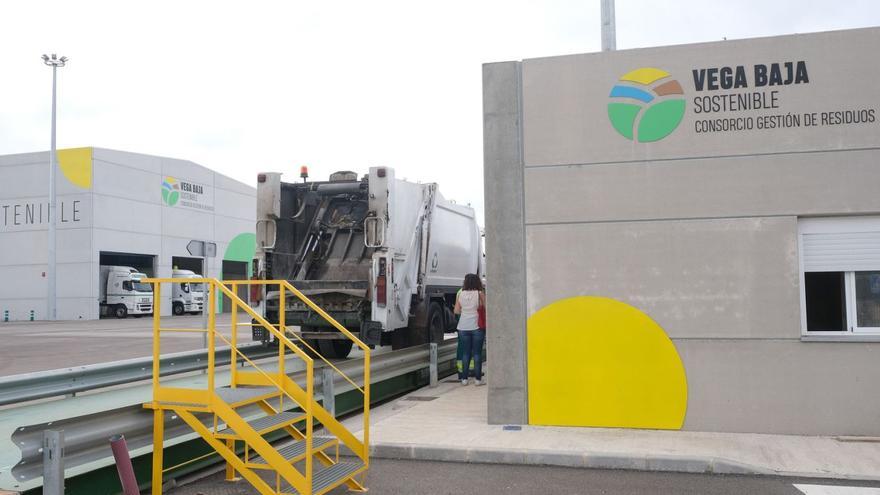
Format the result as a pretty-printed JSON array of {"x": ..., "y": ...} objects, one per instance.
[
  {"x": 122, "y": 293},
  {"x": 385, "y": 257},
  {"x": 187, "y": 297}
]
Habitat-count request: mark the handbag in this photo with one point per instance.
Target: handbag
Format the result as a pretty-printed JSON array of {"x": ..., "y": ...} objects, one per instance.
[{"x": 481, "y": 317}]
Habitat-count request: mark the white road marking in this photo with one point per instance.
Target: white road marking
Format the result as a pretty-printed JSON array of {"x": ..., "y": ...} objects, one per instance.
[{"x": 836, "y": 490}]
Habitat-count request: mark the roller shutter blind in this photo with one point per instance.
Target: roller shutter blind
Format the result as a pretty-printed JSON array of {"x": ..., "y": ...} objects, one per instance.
[{"x": 841, "y": 251}]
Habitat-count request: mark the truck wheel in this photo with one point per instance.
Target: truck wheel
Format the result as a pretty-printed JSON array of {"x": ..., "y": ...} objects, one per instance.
[
  {"x": 436, "y": 322},
  {"x": 120, "y": 311},
  {"x": 177, "y": 308},
  {"x": 313, "y": 343},
  {"x": 335, "y": 349}
]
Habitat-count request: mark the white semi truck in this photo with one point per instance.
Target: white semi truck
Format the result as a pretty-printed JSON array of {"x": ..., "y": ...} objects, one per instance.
[
  {"x": 187, "y": 297},
  {"x": 122, "y": 293},
  {"x": 385, "y": 257}
]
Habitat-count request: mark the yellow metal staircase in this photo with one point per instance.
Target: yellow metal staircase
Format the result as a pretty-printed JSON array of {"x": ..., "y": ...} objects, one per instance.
[{"x": 216, "y": 411}]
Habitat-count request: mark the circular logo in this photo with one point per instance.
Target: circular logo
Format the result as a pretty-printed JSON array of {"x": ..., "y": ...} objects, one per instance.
[
  {"x": 646, "y": 105},
  {"x": 170, "y": 191}
]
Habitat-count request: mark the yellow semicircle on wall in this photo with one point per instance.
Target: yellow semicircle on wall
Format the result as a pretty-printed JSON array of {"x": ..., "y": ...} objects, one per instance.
[
  {"x": 76, "y": 165},
  {"x": 595, "y": 361}
]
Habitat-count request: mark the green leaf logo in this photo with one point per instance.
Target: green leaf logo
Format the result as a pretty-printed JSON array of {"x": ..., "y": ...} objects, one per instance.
[
  {"x": 170, "y": 191},
  {"x": 646, "y": 105}
]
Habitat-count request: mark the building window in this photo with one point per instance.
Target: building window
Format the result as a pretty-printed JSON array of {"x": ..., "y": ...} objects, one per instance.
[
  {"x": 826, "y": 301},
  {"x": 840, "y": 276},
  {"x": 867, "y": 295}
]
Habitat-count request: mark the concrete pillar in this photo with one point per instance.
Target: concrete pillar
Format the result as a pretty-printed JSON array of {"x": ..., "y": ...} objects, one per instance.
[{"x": 505, "y": 242}]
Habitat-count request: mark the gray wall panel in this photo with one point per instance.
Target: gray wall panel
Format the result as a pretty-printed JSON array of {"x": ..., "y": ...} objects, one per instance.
[
  {"x": 147, "y": 163},
  {"x": 223, "y": 182},
  {"x": 24, "y": 181},
  {"x": 236, "y": 205},
  {"x": 126, "y": 181},
  {"x": 187, "y": 170},
  {"x": 789, "y": 184},
  {"x": 127, "y": 215},
  {"x": 734, "y": 278},
  {"x": 787, "y": 387}
]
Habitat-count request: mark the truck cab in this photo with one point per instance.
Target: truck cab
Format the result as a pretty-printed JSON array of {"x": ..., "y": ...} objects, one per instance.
[
  {"x": 187, "y": 297},
  {"x": 123, "y": 293}
]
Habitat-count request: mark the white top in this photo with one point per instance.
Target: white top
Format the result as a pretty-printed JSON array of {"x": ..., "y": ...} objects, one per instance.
[{"x": 469, "y": 300}]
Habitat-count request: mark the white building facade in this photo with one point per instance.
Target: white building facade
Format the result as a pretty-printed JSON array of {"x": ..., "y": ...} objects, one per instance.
[{"x": 115, "y": 208}]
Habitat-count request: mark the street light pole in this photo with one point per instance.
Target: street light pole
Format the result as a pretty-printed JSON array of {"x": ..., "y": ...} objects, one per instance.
[
  {"x": 609, "y": 26},
  {"x": 51, "y": 312}
]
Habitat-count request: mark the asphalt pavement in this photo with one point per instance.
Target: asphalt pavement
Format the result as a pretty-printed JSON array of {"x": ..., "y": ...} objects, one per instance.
[
  {"x": 45, "y": 345},
  {"x": 398, "y": 477}
]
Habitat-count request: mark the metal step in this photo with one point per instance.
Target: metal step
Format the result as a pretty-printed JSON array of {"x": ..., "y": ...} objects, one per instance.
[
  {"x": 327, "y": 478},
  {"x": 264, "y": 424},
  {"x": 246, "y": 395},
  {"x": 295, "y": 451}
]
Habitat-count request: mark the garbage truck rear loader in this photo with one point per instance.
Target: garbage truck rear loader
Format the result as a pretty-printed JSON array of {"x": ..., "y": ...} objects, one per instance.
[{"x": 383, "y": 256}]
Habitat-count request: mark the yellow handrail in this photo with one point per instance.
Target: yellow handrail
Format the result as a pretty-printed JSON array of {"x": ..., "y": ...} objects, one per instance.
[
  {"x": 364, "y": 348},
  {"x": 307, "y": 404},
  {"x": 302, "y": 297},
  {"x": 216, "y": 283},
  {"x": 279, "y": 386},
  {"x": 353, "y": 384},
  {"x": 323, "y": 314},
  {"x": 286, "y": 285}
]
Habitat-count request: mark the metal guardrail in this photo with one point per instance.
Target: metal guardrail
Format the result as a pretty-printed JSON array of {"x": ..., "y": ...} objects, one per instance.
[
  {"x": 26, "y": 387},
  {"x": 86, "y": 436}
]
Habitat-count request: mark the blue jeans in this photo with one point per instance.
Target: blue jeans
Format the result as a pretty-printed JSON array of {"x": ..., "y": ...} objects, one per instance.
[{"x": 472, "y": 346}]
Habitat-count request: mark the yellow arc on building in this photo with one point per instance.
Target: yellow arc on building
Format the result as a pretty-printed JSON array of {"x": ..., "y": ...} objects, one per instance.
[
  {"x": 595, "y": 361},
  {"x": 645, "y": 75},
  {"x": 76, "y": 165}
]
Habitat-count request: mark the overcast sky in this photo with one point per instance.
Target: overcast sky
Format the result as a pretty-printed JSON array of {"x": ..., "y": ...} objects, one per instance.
[{"x": 243, "y": 87}]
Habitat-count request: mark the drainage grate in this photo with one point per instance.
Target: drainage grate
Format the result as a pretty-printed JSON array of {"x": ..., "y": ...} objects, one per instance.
[
  {"x": 419, "y": 398},
  {"x": 512, "y": 428}
]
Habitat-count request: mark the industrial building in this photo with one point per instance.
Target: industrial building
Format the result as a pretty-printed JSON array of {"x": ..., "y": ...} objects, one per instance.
[
  {"x": 687, "y": 237},
  {"x": 115, "y": 208}
]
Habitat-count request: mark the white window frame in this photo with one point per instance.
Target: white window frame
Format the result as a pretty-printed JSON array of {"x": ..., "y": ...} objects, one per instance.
[
  {"x": 836, "y": 225},
  {"x": 851, "y": 317}
]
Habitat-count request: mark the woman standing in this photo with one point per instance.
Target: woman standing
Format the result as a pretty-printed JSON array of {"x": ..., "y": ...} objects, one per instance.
[{"x": 470, "y": 298}]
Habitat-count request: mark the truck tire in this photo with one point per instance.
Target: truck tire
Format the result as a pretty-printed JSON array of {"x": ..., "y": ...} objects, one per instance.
[
  {"x": 177, "y": 309},
  {"x": 335, "y": 349},
  {"x": 436, "y": 322},
  {"x": 120, "y": 311},
  {"x": 313, "y": 343}
]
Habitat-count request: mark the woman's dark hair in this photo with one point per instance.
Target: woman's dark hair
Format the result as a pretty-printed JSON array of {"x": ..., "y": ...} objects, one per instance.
[{"x": 472, "y": 282}]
